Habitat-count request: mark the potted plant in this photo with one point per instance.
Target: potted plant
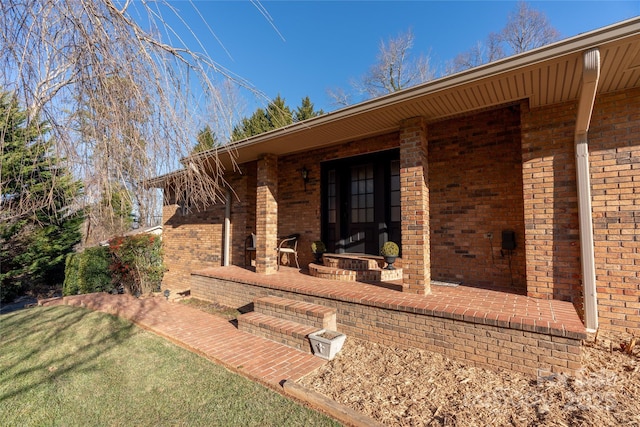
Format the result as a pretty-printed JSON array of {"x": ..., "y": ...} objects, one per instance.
[
  {"x": 318, "y": 248},
  {"x": 390, "y": 252},
  {"x": 326, "y": 344}
]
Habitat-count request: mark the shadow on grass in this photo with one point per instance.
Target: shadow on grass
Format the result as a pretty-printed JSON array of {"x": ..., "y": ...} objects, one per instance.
[
  {"x": 35, "y": 322},
  {"x": 71, "y": 366},
  {"x": 52, "y": 335}
]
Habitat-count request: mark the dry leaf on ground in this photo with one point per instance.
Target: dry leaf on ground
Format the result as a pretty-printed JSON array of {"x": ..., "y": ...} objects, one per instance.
[{"x": 411, "y": 387}]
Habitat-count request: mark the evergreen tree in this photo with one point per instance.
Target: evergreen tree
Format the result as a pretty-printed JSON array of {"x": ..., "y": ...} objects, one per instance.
[
  {"x": 277, "y": 115},
  {"x": 254, "y": 125},
  {"x": 206, "y": 140},
  {"x": 37, "y": 225},
  {"x": 305, "y": 110}
]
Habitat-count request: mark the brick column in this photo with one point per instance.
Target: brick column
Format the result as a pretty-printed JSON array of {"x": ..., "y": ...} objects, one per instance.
[
  {"x": 267, "y": 214},
  {"x": 414, "y": 202}
]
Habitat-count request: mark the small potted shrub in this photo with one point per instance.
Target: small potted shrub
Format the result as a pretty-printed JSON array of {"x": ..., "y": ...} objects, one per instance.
[
  {"x": 318, "y": 248},
  {"x": 390, "y": 252}
]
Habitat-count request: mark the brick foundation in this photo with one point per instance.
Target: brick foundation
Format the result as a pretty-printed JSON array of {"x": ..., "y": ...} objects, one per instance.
[{"x": 523, "y": 347}]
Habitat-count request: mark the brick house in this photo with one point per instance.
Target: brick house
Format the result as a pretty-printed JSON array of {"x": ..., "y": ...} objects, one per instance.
[{"x": 518, "y": 178}]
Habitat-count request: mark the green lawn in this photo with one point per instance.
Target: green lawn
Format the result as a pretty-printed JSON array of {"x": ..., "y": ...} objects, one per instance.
[{"x": 73, "y": 367}]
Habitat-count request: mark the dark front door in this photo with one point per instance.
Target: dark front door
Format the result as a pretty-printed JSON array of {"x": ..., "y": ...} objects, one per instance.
[{"x": 361, "y": 203}]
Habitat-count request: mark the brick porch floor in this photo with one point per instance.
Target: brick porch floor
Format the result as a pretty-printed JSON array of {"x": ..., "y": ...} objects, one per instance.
[
  {"x": 481, "y": 306},
  {"x": 486, "y": 328},
  {"x": 211, "y": 336}
]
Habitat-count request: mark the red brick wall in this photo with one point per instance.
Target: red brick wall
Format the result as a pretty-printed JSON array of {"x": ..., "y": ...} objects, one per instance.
[
  {"x": 551, "y": 203},
  {"x": 414, "y": 201},
  {"x": 243, "y": 210},
  {"x": 614, "y": 146},
  {"x": 267, "y": 214},
  {"x": 299, "y": 209},
  {"x": 190, "y": 242},
  {"x": 551, "y": 208},
  {"x": 362, "y": 146},
  {"x": 193, "y": 241},
  {"x": 475, "y": 187}
]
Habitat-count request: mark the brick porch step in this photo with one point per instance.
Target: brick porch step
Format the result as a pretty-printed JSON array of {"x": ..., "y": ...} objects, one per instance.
[
  {"x": 297, "y": 311},
  {"x": 332, "y": 273},
  {"x": 287, "y": 332},
  {"x": 377, "y": 276},
  {"x": 355, "y": 262}
]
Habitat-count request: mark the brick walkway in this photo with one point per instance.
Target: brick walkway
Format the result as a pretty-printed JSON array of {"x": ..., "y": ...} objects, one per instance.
[{"x": 211, "y": 336}]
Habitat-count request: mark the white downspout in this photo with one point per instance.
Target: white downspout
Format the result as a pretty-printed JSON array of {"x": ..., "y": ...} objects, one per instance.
[
  {"x": 590, "y": 76},
  {"x": 227, "y": 230}
]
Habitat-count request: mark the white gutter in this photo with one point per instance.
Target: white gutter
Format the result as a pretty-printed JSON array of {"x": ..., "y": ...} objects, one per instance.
[
  {"x": 227, "y": 230},
  {"x": 590, "y": 76}
]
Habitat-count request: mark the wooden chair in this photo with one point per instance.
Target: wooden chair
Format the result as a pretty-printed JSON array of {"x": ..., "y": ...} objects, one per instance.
[
  {"x": 249, "y": 248},
  {"x": 288, "y": 245}
]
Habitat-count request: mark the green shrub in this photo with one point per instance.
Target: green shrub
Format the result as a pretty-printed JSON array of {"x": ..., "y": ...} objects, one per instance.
[
  {"x": 133, "y": 262},
  {"x": 88, "y": 272},
  {"x": 72, "y": 275},
  {"x": 137, "y": 263},
  {"x": 389, "y": 249},
  {"x": 318, "y": 247}
]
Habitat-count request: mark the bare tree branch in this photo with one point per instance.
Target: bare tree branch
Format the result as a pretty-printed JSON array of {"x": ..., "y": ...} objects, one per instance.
[
  {"x": 339, "y": 97},
  {"x": 528, "y": 29},
  {"x": 124, "y": 105},
  {"x": 393, "y": 70}
]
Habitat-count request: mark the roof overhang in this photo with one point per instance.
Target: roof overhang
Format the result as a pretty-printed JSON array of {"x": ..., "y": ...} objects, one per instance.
[{"x": 544, "y": 76}]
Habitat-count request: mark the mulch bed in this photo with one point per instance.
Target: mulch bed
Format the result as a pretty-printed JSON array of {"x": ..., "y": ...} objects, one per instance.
[{"x": 412, "y": 387}]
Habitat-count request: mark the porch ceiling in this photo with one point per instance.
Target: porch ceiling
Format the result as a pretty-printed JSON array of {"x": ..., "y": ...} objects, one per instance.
[{"x": 544, "y": 76}]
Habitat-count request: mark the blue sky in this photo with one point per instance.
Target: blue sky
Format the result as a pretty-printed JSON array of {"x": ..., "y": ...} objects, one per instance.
[{"x": 318, "y": 45}]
